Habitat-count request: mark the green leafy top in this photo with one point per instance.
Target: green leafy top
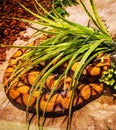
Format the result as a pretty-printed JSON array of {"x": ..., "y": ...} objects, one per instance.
[{"x": 60, "y": 6}]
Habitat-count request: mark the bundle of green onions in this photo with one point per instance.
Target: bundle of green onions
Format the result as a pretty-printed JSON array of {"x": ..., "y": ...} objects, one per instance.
[{"x": 68, "y": 41}]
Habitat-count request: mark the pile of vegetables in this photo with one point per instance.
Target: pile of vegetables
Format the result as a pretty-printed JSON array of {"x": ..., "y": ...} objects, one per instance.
[{"x": 67, "y": 41}]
